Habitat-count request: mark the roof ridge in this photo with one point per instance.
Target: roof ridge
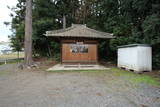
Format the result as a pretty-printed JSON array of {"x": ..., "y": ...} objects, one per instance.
[
  {"x": 60, "y": 30},
  {"x": 100, "y": 32},
  {"x": 74, "y": 25},
  {"x": 79, "y": 30}
]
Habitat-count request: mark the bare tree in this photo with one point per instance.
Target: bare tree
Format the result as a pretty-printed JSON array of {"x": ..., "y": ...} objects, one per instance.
[{"x": 28, "y": 34}]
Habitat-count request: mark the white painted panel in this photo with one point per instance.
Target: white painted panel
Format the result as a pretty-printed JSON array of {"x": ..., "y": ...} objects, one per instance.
[
  {"x": 137, "y": 58},
  {"x": 144, "y": 59}
]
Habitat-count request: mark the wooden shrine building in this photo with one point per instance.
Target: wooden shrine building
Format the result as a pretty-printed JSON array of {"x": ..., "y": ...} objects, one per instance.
[{"x": 79, "y": 44}]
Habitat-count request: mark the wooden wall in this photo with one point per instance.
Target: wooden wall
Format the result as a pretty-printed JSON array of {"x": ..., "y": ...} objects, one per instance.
[{"x": 69, "y": 57}]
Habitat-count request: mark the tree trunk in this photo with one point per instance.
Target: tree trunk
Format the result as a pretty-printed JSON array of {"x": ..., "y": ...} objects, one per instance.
[
  {"x": 18, "y": 56},
  {"x": 28, "y": 34},
  {"x": 64, "y": 21},
  {"x": 49, "y": 50}
]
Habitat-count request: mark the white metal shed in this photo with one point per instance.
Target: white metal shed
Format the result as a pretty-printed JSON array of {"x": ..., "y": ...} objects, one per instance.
[{"x": 137, "y": 57}]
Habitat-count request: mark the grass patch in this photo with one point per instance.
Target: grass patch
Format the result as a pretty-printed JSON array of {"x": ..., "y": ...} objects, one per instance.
[
  {"x": 12, "y": 55},
  {"x": 119, "y": 74},
  {"x": 4, "y": 73},
  {"x": 12, "y": 61},
  {"x": 1, "y": 63},
  {"x": 136, "y": 78},
  {"x": 147, "y": 80}
]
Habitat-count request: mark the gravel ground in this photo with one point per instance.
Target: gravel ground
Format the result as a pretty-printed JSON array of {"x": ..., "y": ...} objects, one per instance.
[{"x": 71, "y": 89}]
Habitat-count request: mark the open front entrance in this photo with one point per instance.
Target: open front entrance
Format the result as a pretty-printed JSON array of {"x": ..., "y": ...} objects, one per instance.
[{"x": 79, "y": 52}]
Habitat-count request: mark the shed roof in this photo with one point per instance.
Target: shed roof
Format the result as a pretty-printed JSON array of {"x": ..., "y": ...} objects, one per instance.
[
  {"x": 134, "y": 45},
  {"x": 79, "y": 30}
]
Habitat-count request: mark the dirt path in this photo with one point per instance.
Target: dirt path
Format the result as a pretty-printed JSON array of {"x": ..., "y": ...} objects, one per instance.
[{"x": 71, "y": 89}]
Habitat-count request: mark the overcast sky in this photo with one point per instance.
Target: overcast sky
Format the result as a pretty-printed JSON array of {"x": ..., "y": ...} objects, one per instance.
[{"x": 4, "y": 16}]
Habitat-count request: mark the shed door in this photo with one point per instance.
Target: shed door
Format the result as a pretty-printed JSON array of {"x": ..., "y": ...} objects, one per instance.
[{"x": 79, "y": 52}]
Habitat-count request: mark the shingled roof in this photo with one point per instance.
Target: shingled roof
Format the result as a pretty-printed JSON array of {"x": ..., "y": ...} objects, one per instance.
[{"x": 79, "y": 30}]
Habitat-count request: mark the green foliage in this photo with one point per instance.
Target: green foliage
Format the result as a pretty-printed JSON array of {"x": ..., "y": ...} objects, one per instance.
[
  {"x": 16, "y": 44},
  {"x": 151, "y": 28},
  {"x": 156, "y": 59},
  {"x": 55, "y": 49},
  {"x": 17, "y": 39},
  {"x": 114, "y": 43},
  {"x": 122, "y": 30},
  {"x": 136, "y": 36}
]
